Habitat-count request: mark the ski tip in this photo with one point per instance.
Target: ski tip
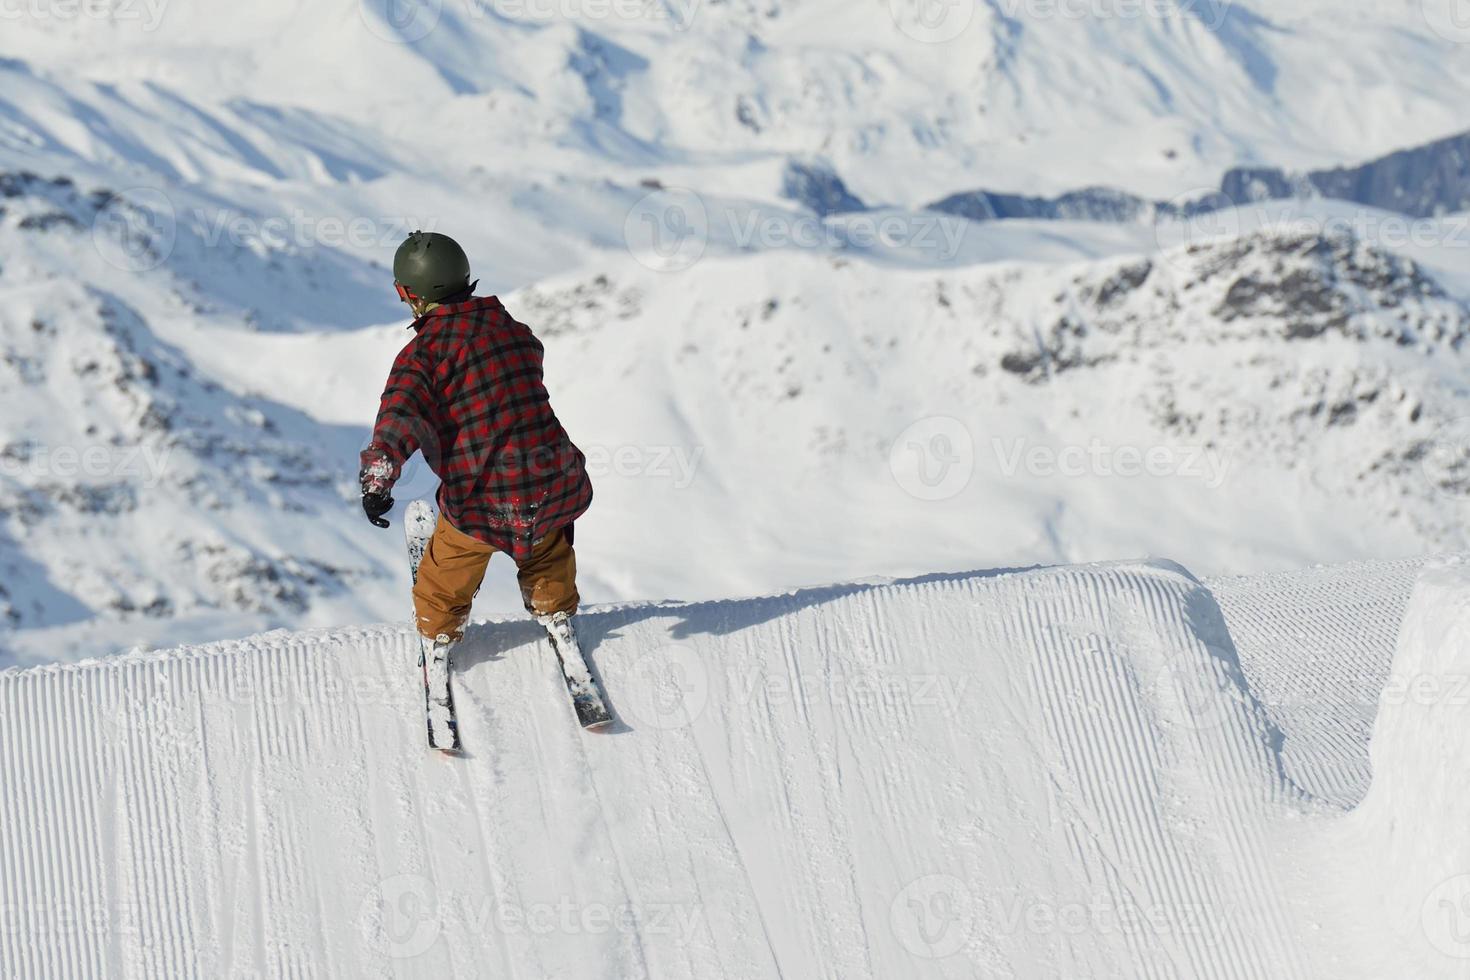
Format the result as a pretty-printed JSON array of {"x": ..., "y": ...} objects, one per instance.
[
  {"x": 592, "y": 714},
  {"x": 454, "y": 748},
  {"x": 419, "y": 512}
]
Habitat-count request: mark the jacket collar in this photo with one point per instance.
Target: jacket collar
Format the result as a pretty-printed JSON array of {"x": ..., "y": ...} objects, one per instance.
[{"x": 470, "y": 305}]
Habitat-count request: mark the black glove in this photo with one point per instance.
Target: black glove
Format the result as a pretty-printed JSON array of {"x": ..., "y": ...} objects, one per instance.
[{"x": 375, "y": 505}]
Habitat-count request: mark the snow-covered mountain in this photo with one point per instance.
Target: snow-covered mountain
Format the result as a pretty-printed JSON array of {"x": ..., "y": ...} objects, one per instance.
[
  {"x": 910, "y": 100},
  {"x": 1420, "y": 181},
  {"x": 197, "y": 206}
]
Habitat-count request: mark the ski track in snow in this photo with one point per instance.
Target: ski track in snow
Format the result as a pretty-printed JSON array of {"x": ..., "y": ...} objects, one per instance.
[{"x": 933, "y": 778}]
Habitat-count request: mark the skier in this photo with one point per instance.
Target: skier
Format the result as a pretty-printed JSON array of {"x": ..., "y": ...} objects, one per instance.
[{"x": 467, "y": 390}]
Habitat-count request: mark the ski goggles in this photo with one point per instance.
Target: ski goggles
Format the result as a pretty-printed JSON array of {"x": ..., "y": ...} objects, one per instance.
[{"x": 403, "y": 292}]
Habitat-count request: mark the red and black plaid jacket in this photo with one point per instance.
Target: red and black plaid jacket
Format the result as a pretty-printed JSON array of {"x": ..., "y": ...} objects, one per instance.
[{"x": 467, "y": 391}]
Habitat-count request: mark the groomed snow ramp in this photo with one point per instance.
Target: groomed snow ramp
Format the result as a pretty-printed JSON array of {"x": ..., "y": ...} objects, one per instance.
[
  {"x": 1405, "y": 888},
  {"x": 1036, "y": 774}
]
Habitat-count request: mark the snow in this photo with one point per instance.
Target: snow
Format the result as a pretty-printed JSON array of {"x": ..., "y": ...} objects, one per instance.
[
  {"x": 765, "y": 407},
  {"x": 1317, "y": 646},
  {"x": 1412, "y": 878},
  {"x": 1245, "y": 764},
  {"x": 1061, "y": 771},
  {"x": 1042, "y": 96}
]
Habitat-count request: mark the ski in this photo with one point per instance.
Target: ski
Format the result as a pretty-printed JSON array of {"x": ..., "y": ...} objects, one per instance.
[
  {"x": 434, "y": 660},
  {"x": 586, "y": 697}
]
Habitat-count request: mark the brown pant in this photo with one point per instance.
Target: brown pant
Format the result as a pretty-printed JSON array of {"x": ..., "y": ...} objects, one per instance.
[{"x": 454, "y": 566}]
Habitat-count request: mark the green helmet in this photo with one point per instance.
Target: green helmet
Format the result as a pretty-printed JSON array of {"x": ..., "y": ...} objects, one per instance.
[{"x": 431, "y": 266}]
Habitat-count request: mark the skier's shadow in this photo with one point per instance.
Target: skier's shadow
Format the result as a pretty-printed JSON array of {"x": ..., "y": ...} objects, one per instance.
[
  {"x": 723, "y": 617},
  {"x": 491, "y": 642},
  {"x": 488, "y": 642}
]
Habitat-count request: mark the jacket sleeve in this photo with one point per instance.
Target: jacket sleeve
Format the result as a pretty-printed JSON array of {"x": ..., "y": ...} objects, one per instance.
[{"x": 404, "y": 416}]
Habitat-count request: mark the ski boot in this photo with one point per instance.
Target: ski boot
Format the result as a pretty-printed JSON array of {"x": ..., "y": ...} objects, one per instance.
[
  {"x": 591, "y": 708},
  {"x": 438, "y": 699}
]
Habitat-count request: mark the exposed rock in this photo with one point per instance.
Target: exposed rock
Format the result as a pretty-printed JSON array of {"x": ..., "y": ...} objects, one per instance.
[
  {"x": 817, "y": 187},
  {"x": 1421, "y": 182}
]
